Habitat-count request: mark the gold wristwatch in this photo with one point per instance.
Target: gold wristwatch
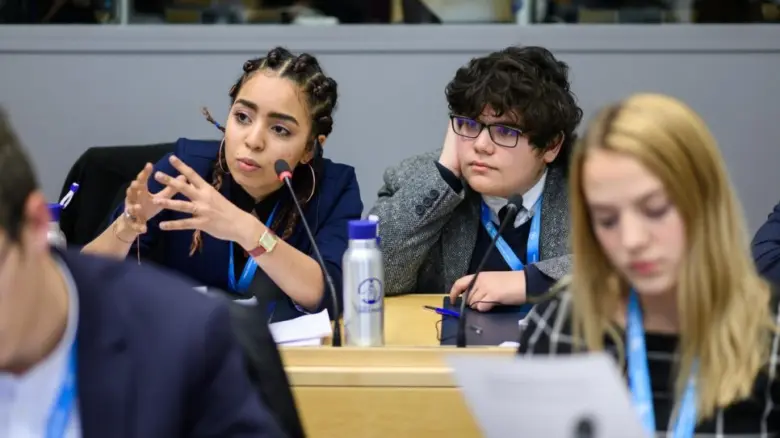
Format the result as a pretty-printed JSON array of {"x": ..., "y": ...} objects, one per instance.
[{"x": 266, "y": 243}]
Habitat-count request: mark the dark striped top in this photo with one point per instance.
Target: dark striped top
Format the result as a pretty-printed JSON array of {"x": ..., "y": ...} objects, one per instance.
[{"x": 548, "y": 331}]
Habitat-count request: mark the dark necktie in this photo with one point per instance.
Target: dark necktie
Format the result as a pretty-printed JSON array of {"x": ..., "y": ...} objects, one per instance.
[{"x": 502, "y": 215}]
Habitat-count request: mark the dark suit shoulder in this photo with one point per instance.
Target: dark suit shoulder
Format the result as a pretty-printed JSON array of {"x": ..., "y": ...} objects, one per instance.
[
  {"x": 197, "y": 148},
  {"x": 200, "y": 155},
  {"x": 187, "y": 369},
  {"x": 338, "y": 193},
  {"x": 338, "y": 172},
  {"x": 146, "y": 294}
]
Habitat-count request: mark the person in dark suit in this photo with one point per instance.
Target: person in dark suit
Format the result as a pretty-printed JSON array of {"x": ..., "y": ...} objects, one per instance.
[
  {"x": 766, "y": 247},
  {"x": 510, "y": 131},
  {"x": 219, "y": 209},
  {"x": 94, "y": 347}
]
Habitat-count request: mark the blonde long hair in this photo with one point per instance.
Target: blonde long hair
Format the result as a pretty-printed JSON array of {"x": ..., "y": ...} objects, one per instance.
[{"x": 724, "y": 307}]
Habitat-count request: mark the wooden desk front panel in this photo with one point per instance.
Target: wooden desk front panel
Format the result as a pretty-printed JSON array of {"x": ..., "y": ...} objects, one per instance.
[
  {"x": 384, "y": 392},
  {"x": 381, "y": 392},
  {"x": 384, "y": 412}
]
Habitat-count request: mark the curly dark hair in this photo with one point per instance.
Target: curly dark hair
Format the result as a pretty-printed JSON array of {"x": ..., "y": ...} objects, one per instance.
[
  {"x": 321, "y": 94},
  {"x": 527, "y": 82}
]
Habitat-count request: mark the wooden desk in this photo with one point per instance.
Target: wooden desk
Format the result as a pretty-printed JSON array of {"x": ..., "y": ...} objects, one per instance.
[
  {"x": 402, "y": 390},
  {"x": 408, "y": 324},
  {"x": 380, "y": 392}
]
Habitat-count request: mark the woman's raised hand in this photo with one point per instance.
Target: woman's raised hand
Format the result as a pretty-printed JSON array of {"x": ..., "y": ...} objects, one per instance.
[{"x": 139, "y": 202}]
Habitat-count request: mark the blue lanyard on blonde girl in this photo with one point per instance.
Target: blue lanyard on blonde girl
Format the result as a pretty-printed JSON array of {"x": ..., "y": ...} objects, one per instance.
[
  {"x": 532, "y": 253},
  {"x": 249, "y": 268},
  {"x": 639, "y": 378}
]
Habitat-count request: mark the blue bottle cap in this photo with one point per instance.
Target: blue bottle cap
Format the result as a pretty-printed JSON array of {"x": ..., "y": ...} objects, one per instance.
[
  {"x": 362, "y": 230},
  {"x": 54, "y": 211}
]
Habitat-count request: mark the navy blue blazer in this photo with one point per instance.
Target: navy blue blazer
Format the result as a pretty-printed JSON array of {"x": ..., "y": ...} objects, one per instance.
[
  {"x": 766, "y": 247},
  {"x": 156, "y": 359},
  {"x": 335, "y": 202}
]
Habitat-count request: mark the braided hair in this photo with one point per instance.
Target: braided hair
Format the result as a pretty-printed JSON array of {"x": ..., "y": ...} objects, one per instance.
[{"x": 321, "y": 96}]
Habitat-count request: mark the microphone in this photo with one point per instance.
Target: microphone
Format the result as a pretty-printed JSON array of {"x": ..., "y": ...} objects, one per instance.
[
  {"x": 512, "y": 208},
  {"x": 284, "y": 174}
]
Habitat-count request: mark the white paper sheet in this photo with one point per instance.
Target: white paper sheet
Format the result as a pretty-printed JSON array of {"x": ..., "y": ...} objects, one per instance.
[
  {"x": 302, "y": 328},
  {"x": 546, "y": 396},
  {"x": 247, "y": 302},
  {"x": 307, "y": 330},
  {"x": 205, "y": 291},
  {"x": 315, "y": 342}
]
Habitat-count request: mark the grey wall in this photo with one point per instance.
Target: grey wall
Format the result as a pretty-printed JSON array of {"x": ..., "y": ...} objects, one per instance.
[{"x": 69, "y": 88}]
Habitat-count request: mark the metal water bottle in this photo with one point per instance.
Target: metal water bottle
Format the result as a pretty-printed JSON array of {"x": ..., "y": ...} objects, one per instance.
[
  {"x": 55, "y": 235},
  {"x": 364, "y": 293}
]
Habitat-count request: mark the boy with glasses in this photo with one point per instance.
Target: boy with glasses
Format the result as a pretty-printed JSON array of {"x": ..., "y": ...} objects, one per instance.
[{"x": 511, "y": 129}]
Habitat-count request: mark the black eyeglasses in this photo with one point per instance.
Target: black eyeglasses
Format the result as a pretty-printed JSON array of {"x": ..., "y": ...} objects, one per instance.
[{"x": 502, "y": 135}]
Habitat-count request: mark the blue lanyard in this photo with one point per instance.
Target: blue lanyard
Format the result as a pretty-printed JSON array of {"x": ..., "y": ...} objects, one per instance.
[
  {"x": 59, "y": 417},
  {"x": 511, "y": 259},
  {"x": 639, "y": 378},
  {"x": 249, "y": 268}
]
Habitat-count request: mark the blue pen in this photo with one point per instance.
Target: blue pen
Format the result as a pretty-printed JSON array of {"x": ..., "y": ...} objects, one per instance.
[
  {"x": 69, "y": 196},
  {"x": 454, "y": 314},
  {"x": 444, "y": 312}
]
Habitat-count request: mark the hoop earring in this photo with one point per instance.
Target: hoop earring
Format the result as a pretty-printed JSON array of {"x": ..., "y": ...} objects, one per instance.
[
  {"x": 219, "y": 157},
  {"x": 313, "y": 182}
]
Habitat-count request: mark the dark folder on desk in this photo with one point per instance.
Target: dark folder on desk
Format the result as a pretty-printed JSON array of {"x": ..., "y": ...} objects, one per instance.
[{"x": 483, "y": 328}]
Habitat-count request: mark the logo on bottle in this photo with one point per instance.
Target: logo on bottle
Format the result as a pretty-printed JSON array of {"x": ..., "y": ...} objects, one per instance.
[{"x": 370, "y": 294}]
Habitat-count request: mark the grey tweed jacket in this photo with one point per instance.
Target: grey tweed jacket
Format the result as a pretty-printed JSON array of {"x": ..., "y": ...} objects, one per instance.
[{"x": 429, "y": 232}]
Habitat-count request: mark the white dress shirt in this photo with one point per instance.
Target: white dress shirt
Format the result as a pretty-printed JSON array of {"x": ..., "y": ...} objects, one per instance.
[
  {"x": 26, "y": 401},
  {"x": 529, "y": 201}
]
